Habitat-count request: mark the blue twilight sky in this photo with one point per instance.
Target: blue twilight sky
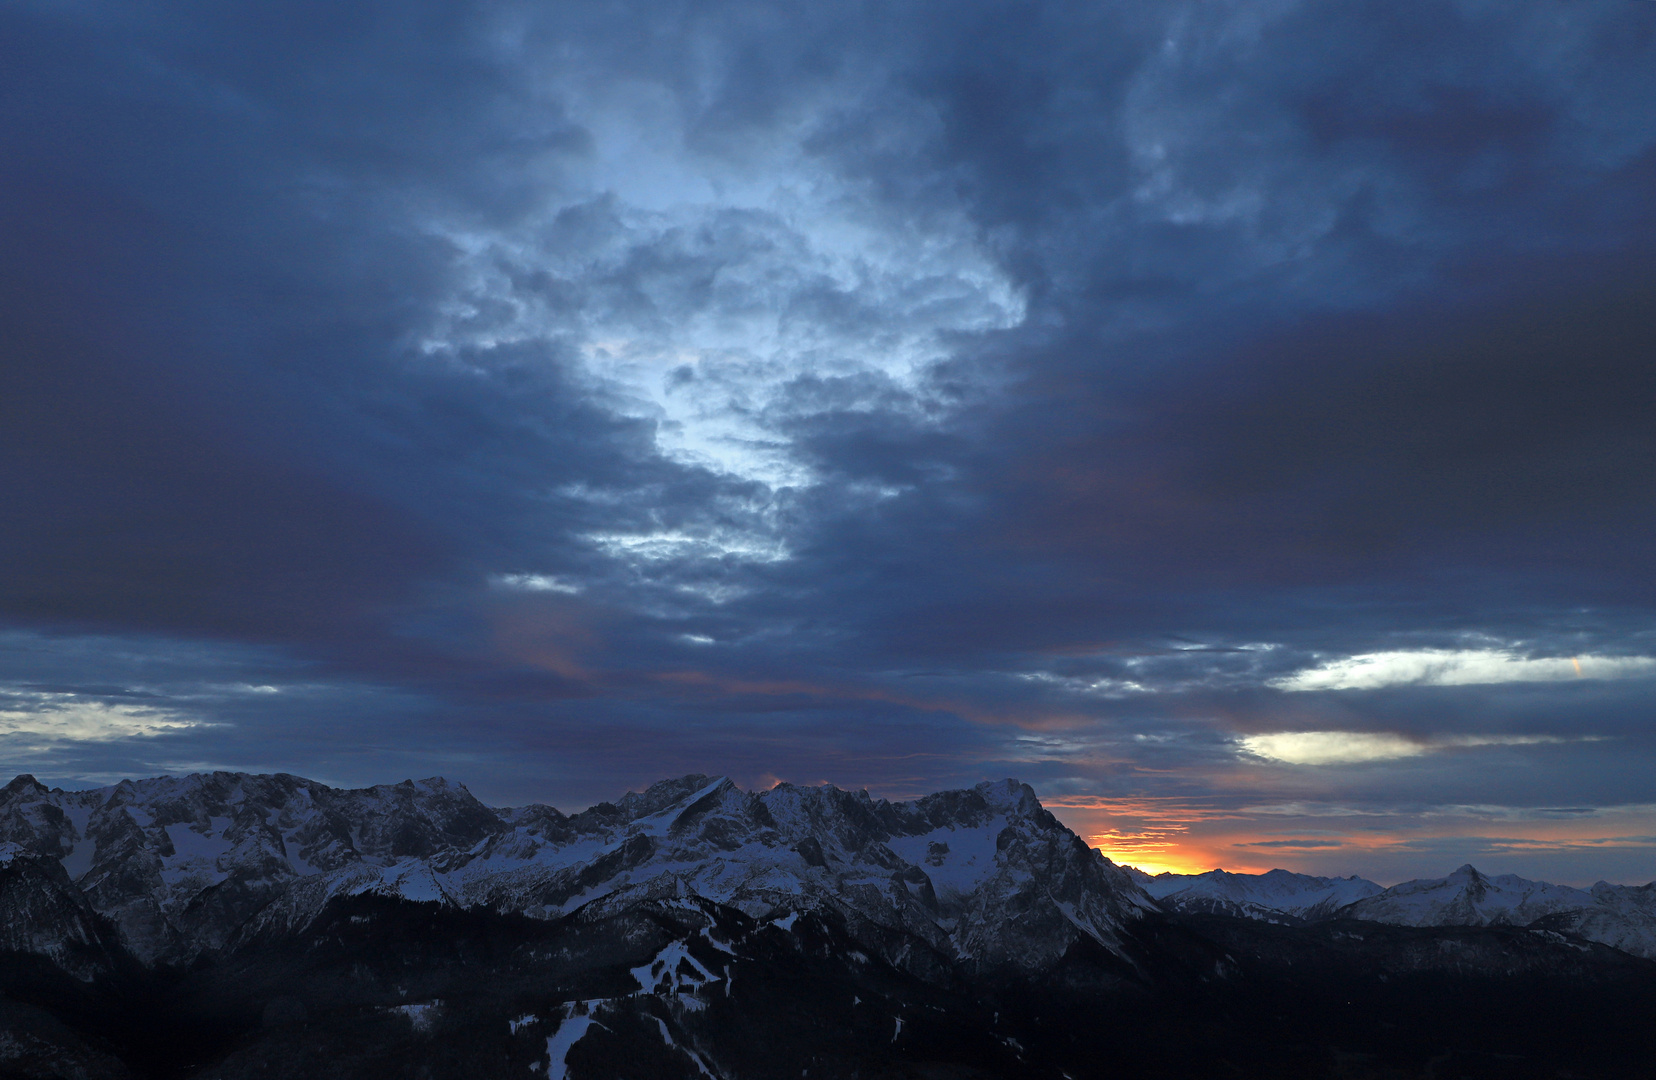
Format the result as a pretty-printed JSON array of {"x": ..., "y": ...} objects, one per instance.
[{"x": 1237, "y": 420}]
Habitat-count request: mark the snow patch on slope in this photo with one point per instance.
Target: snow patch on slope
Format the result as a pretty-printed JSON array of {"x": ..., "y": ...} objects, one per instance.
[
  {"x": 673, "y": 970},
  {"x": 573, "y": 1028},
  {"x": 957, "y": 860}
]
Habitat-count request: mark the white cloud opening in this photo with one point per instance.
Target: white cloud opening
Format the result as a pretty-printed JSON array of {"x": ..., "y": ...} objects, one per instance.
[
  {"x": 1458, "y": 667},
  {"x": 1355, "y": 747},
  {"x": 671, "y": 545},
  {"x": 696, "y": 287},
  {"x": 52, "y": 720},
  {"x": 535, "y": 583}
]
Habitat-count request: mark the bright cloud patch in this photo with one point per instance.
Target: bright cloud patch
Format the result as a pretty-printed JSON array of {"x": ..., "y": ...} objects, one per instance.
[
  {"x": 50, "y": 720},
  {"x": 1351, "y": 747},
  {"x": 1458, "y": 667},
  {"x": 722, "y": 294},
  {"x": 1330, "y": 747},
  {"x": 535, "y": 583}
]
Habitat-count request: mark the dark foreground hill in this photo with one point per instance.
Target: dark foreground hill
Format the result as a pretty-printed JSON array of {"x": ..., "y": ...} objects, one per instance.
[{"x": 238, "y": 926}]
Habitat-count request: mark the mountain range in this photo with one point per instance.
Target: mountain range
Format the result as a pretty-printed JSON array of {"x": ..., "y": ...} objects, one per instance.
[
  {"x": 1622, "y": 916},
  {"x": 232, "y": 925}
]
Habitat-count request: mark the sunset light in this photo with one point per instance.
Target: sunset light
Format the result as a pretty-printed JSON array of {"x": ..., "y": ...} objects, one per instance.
[
  {"x": 1150, "y": 862},
  {"x": 709, "y": 519}
]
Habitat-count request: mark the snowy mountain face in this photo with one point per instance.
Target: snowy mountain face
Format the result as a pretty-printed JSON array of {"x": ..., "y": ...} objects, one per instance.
[
  {"x": 182, "y": 865},
  {"x": 1468, "y": 898},
  {"x": 1273, "y": 897},
  {"x": 177, "y": 863},
  {"x": 1621, "y": 916}
]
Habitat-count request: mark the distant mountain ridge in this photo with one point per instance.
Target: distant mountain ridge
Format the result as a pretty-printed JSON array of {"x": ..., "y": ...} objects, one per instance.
[
  {"x": 1270, "y": 896},
  {"x": 1621, "y": 916}
]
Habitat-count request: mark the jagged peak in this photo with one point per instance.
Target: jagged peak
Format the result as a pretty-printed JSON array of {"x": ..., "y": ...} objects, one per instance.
[
  {"x": 431, "y": 785},
  {"x": 434, "y": 783},
  {"x": 661, "y": 795},
  {"x": 1010, "y": 793},
  {"x": 24, "y": 782}
]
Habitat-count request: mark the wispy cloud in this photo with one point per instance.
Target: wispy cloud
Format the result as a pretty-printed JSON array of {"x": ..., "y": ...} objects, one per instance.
[{"x": 537, "y": 583}]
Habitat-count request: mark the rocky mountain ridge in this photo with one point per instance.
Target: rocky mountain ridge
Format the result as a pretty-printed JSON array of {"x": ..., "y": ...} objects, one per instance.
[{"x": 188, "y": 864}]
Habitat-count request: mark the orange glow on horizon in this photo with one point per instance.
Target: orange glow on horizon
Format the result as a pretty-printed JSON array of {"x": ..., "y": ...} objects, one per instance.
[
  {"x": 1170, "y": 863},
  {"x": 1152, "y": 851},
  {"x": 1149, "y": 833},
  {"x": 1194, "y": 835}
]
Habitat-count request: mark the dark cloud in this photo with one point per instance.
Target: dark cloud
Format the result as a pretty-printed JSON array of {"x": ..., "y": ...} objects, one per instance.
[{"x": 568, "y": 397}]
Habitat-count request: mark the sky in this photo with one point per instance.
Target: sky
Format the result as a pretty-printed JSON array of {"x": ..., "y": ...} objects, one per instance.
[{"x": 1236, "y": 420}]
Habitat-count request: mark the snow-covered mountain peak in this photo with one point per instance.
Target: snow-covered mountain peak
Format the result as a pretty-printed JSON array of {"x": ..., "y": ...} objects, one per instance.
[
  {"x": 1277, "y": 895},
  {"x": 1623, "y": 916},
  {"x": 1467, "y": 876},
  {"x": 692, "y": 797},
  {"x": 23, "y": 782},
  {"x": 1009, "y": 795},
  {"x": 1620, "y": 915}
]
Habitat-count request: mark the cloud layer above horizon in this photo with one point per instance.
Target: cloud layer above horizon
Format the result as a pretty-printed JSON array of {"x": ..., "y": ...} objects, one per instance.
[{"x": 1236, "y": 420}]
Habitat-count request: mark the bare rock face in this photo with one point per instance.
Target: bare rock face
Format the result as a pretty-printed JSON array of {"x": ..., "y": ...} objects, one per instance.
[{"x": 43, "y": 914}]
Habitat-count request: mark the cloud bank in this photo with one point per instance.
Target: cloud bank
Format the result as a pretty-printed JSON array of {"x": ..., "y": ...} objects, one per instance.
[{"x": 566, "y": 397}]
